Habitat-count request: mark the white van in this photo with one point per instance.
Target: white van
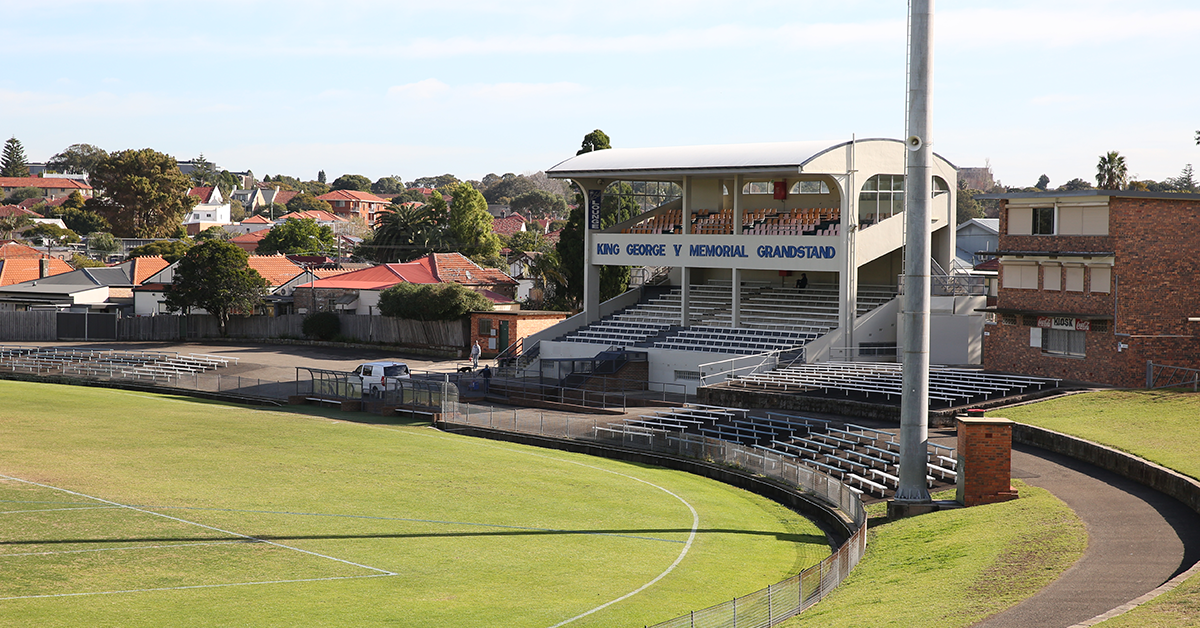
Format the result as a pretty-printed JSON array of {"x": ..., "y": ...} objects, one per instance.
[{"x": 373, "y": 377}]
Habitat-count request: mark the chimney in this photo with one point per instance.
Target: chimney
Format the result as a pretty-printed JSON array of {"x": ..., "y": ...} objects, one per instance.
[{"x": 44, "y": 268}]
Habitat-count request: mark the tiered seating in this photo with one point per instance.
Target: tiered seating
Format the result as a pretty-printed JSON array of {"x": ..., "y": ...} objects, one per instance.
[
  {"x": 865, "y": 458},
  {"x": 736, "y": 340},
  {"x": 872, "y": 381},
  {"x": 771, "y": 221},
  {"x": 617, "y": 332},
  {"x": 152, "y": 365}
]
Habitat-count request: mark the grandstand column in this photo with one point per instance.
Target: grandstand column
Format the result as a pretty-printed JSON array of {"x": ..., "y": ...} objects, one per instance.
[
  {"x": 592, "y": 190},
  {"x": 685, "y": 290},
  {"x": 738, "y": 211},
  {"x": 736, "y": 310}
]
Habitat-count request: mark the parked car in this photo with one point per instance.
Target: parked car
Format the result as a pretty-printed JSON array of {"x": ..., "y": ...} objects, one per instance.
[{"x": 373, "y": 377}]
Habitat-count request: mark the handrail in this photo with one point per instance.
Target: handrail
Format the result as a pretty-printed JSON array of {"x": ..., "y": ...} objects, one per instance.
[
  {"x": 1165, "y": 376},
  {"x": 768, "y": 357}
]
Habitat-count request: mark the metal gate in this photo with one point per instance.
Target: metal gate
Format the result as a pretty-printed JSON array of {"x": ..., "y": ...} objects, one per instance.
[{"x": 87, "y": 326}]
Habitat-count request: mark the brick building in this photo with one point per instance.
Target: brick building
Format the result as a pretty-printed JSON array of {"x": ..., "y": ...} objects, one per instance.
[{"x": 1096, "y": 283}]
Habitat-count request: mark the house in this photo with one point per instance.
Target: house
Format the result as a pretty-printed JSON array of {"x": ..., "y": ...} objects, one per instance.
[
  {"x": 251, "y": 199},
  {"x": 1095, "y": 285},
  {"x": 248, "y": 242},
  {"x": 20, "y": 263},
  {"x": 52, "y": 187},
  {"x": 975, "y": 236},
  {"x": 358, "y": 291},
  {"x": 322, "y": 218},
  {"x": 108, "y": 288},
  {"x": 250, "y": 225},
  {"x": 149, "y": 298},
  {"x": 508, "y": 225},
  {"x": 211, "y": 211},
  {"x": 347, "y": 203},
  {"x": 519, "y": 268}
]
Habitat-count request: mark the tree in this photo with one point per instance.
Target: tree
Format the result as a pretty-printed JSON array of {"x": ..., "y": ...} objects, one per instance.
[
  {"x": 569, "y": 290},
  {"x": 409, "y": 196},
  {"x": 470, "y": 223},
  {"x": 352, "y": 182},
  {"x": 49, "y": 232},
  {"x": 1111, "y": 173},
  {"x": 204, "y": 172},
  {"x": 13, "y": 223},
  {"x": 403, "y": 233},
  {"x": 1075, "y": 184},
  {"x": 308, "y": 203},
  {"x": 321, "y": 176},
  {"x": 299, "y": 237},
  {"x": 78, "y": 261},
  {"x": 523, "y": 241},
  {"x": 214, "y": 233},
  {"x": 144, "y": 193},
  {"x": 539, "y": 204},
  {"x": 103, "y": 243},
  {"x": 214, "y": 276},
  {"x": 596, "y": 140},
  {"x": 507, "y": 188},
  {"x": 315, "y": 188},
  {"x": 1043, "y": 183},
  {"x": 388, "y": 186},
  {"x": 81, "y": 220},
  {"x": 431, "y": 302},
  {"x": 1185, "y": 182},
  {"x": 170, "y": 250},
  {"x": 435, "y": 183},
  {"x": 967, "y": 207},
  {"x": 76, "y": 159},
  {"x": 22, "y": 194},
  {"x": 13, "y": 163}
]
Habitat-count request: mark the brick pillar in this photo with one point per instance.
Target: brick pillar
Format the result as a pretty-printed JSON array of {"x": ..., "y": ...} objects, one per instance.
[{"x": 984, "y": 461}]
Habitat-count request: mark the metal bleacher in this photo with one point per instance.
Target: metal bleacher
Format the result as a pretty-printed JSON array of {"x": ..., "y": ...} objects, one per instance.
[
  {"x": 156, "y": 366},
  {"x": 866, "y": 458}
]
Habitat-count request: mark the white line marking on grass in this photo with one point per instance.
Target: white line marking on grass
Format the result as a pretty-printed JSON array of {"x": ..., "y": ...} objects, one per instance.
[
  {"x": 18, "y": 512},
  {"x": 121, "y": 549},
  {"x": 196, "y": 586},
  {"x": 201, "y": 525}
]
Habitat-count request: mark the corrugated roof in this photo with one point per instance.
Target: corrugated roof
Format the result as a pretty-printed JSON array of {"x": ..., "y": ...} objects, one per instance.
[{"x": 775, "y": 155}]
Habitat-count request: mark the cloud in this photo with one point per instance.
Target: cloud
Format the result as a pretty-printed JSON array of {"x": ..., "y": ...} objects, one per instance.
[
  {"x": 434, "y": 90},
  {"x": 427, "y": 89}
]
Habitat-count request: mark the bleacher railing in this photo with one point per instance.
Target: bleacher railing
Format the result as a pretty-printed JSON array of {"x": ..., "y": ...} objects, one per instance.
[
  {"x": 1164, "y": 376},
  {"x": 721, "y": 370},
  {"x": 763, "y": 608}
]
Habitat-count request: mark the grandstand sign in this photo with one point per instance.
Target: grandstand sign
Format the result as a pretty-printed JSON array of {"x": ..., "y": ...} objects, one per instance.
[
  {"x": 759, "y": 252},
  {"x": 594, "y": 201}
]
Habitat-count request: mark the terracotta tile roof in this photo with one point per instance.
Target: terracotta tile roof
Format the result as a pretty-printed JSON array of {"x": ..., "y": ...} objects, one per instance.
[
  {"x": 17, "y": 270},
  {"x": 495, "y": 297},
  {"x": 17, "y": 210},
  {"x": 379, "y": 277},
  {"x": 248, "y": 242},
  {"x": 553, "y": 236},
  {"x": 352, "y": 195},
  {"x": 256, "y": 220},
  {"x": 43, "y": 182},
  {"x": 457, "y": 268},
  {"x": 11, "y": 249},
  {"x": 202, "y": 193},
  {"x": 276, "y": 269},
  {"x": 145, "y": 267},
  {"x": 508, "y": 225},
  {"x": 317, "y": 215},
  {"x": 284, "y": 196}
]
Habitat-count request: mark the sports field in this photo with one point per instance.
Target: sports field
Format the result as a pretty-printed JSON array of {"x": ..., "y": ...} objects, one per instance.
[{"x": 121, "y": 508}]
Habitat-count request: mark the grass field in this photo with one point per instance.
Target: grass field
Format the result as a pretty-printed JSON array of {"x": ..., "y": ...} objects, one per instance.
[
  {"x": 1159, "y": 425},
  {"x": 130, "y": 509}
]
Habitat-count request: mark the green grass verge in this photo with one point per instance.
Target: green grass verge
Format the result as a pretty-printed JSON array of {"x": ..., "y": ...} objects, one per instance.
[
  {"x": 954, "y": 567},
  {"x": 478, "y": 533},
  {"x": 1159, "y": 425}
]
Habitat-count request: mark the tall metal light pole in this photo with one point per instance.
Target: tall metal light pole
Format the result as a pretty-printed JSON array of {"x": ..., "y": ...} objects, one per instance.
[{"x": 918, "y": 202}]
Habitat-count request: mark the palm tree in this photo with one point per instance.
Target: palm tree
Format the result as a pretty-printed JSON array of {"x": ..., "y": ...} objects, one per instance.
[{"x": 1110, "y": 172}]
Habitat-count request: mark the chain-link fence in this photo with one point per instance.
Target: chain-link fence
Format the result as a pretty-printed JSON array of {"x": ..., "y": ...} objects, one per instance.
[{"x": 762, "y": 608}]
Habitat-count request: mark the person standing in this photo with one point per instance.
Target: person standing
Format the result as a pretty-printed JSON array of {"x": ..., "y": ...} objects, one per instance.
[{"x": 476, "y": 351}]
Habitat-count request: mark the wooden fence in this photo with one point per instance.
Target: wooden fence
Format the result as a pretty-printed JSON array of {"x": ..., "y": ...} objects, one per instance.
[{"x": 34, "y": 326}]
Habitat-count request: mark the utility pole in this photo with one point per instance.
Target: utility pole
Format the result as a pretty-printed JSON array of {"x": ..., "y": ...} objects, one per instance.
[{"x": 912, "y": 495}]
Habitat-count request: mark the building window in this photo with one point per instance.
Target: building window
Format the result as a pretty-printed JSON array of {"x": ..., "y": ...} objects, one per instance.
[
  {"x": 485, "y": 327},
  {"x": 1043, "y": 221},
  {"x": 1101, "y": 279},
  {"x": 1051, "y": 277},
  {"x": 810, "y": 187},
  {"x": 1023, "y": 276},
  {"x": 1064, "y": 342},
  {"x": 690, "y": 376},
  {"x": 881, "y": 198},
  {"x": 1074, "y": 278},
  {"x": 1008, "y": 319}
]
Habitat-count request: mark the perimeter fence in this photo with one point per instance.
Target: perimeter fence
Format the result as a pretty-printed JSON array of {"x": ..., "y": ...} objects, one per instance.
[{"x": 759, "y": 609}]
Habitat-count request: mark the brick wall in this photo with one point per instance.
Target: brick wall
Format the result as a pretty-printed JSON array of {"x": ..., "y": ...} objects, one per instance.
[
  {"x": 984, "y": 461},
  {"x": 1155, "y": 289},
  {"x": 520, "y": 325}
]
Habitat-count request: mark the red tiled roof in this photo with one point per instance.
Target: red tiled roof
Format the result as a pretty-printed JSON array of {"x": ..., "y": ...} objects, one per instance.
[
  {"x": 495, "y": 297},
  {"x": 991, "y": 264},
  {"x": 284, "y": 196},
  {"x": 508, "y": 225},
  {"x": 553, "y": 236},
  {"x": 276, "y": 269},
  {"x": 17, "y": 270},
  {"x": 317, "y": 215},
  {"x": 457, "y": 268},
  {"x": 351, "y": 195},
  {"x": 379, "y": 277},
  {"x": 43, "y": 182},
  {"x": 17, "y": 210},
  {"x": 248, "y": 242},
  {"x": 145, "y": 267},
  {"x": 11, "y": 249},
  {"x": 202, "y": 193},
  {"x": 256, "y": 220}
]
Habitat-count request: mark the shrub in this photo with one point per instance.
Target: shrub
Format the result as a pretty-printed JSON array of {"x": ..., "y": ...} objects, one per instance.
[
  {"x": 322, "y": 325},
  {"x": 431, "y": 302}
]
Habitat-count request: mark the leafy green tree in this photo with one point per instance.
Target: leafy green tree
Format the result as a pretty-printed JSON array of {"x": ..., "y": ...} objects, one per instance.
[
  {"x": 968, "y": 207},
  {"x": 76, "y": 159},
  {"x": 569, "y": 279},
  {"x": 596, "y": 140},
  {"x": 170, "y": 250},
  {"x": 1043, "y": 183},
  {"x": 144, "y": 193},
  {"x": 1111, "y": 173},
  {"x": 21, "y": 194},
  {"x": 321, "y": 176},
  {"x": 214, "y": 276},
  {"x": 539, "y": 204},
  {"x": 13, "y": 162},
  {"x": 315, "y": 188},
  {"x": 81, "y": 220},
  {"x": 214, "y": 233},
  {"x": 435, "y": 183},
  {"x": 1185, "y": 182},
  {"x": 548, "y": 268},
  {"x": 308, "y": 202},
  {"x": 78, "y": 261},
  {"x": 50, "y": 232},
  {"x": 507, "y": 188},
  {"x": 470, "y": 224},
  {"x": 1075, "y": 184},
  {"x": 402, "y": 234},
  {"x": 204, "y": 172},
  {"x": 13, "y": 223},
  {"x": 409, "y": 196},
  {"x": 431, "y": 302},
  {"x": 296, "y": 237},
  {"x": 352, "y": 182},
  {"x": 388, "y": 186},
  {"x": 523, "y": 241},
  {"x": 102, "y": 243},
  {"x": 322, "y": 325}
]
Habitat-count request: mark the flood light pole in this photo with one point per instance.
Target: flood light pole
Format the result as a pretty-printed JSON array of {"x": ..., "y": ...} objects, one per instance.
[{"x": 918, "y": 202}]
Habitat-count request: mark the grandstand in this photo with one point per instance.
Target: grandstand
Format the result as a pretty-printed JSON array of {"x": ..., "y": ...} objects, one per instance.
[
  {"x": 865, "y": 458},
  {"x": 155, "y": 366}
]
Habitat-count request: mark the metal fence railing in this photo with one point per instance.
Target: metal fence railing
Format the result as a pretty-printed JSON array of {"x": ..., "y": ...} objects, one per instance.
[
  {"x": 762, "y": 608},
  {"x": 1163, "y": 376}
]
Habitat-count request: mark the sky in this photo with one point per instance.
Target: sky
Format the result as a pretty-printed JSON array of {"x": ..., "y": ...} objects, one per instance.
[{"x": 471, "y": 87}]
